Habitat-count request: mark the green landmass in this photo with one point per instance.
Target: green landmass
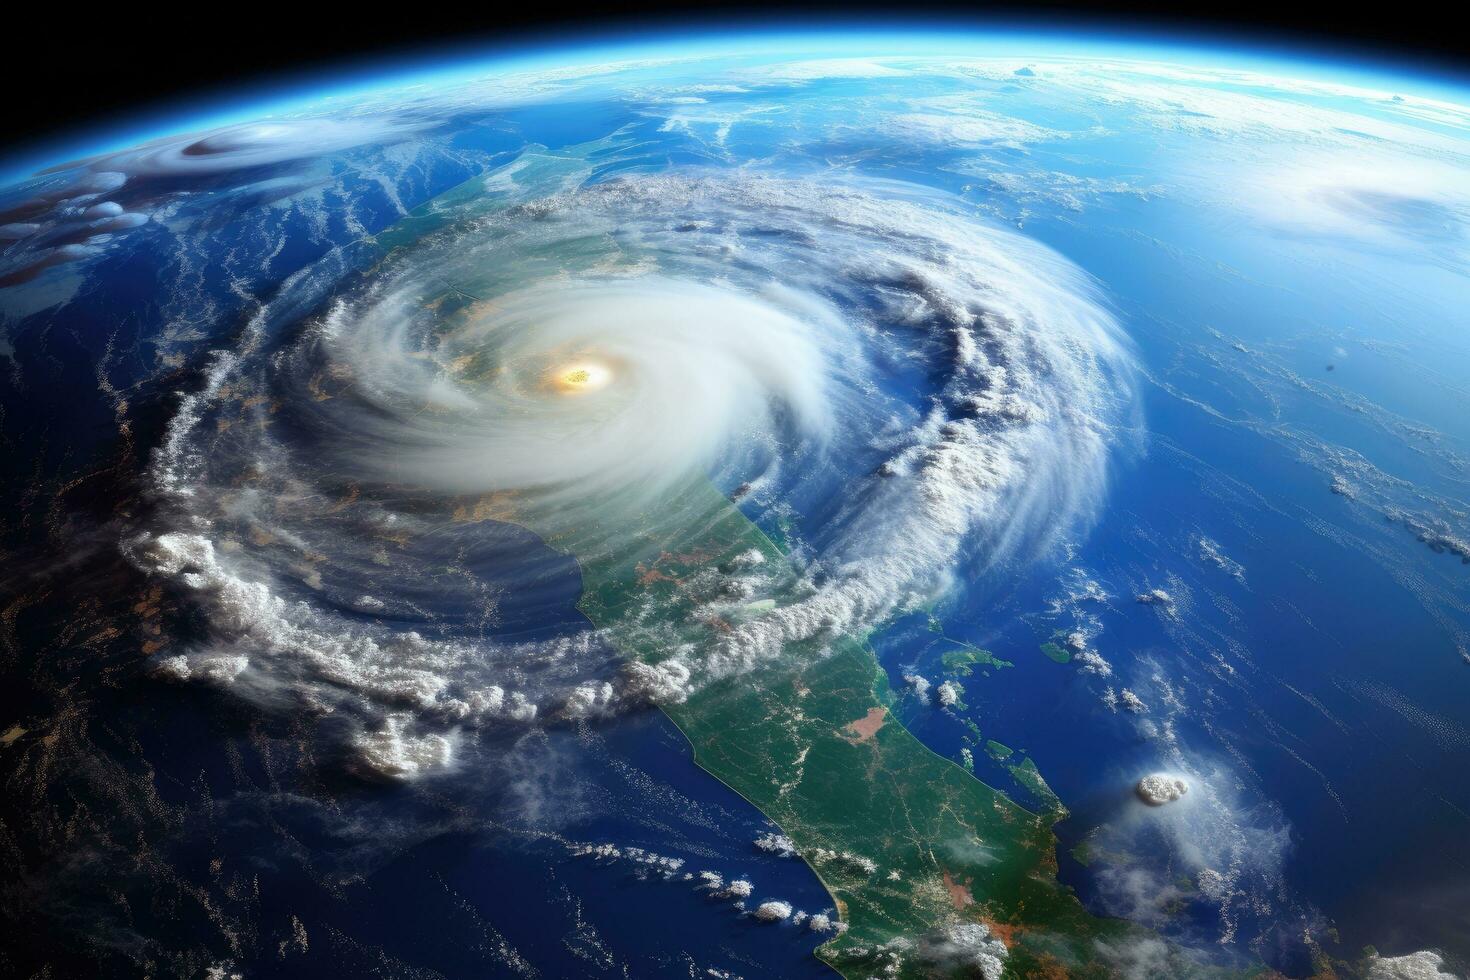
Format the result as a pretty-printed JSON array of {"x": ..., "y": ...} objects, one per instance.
[
  {"x": 963, "y": 659},
  {"x": 998, "y": 751},
  {"x": 1028, "y": 776},
  {"x": 1057, "y": 652},
  {"x": 809, "y": 739}
]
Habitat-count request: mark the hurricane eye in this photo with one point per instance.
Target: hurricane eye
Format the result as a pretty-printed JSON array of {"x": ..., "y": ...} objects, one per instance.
[{"x": 571, "y": 379}]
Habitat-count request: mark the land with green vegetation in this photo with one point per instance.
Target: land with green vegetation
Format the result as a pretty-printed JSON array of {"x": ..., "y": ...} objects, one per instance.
[
  {"x": 1056, "y": 652},
  {"x": 962, "y": 660},
  {"x": 1027, "y": 775},
  {"x": 906, "y": 841}
]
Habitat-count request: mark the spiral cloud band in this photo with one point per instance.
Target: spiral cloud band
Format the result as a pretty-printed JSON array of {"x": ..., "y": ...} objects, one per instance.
[{"x": 913, "y": 395}]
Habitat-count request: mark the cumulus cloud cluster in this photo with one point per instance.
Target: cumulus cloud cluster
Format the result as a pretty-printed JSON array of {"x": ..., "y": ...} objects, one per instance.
[
  {"x": 778, "y": 844},
  {"x": 1423, "y": 965},
  {"x": 712, "y": 884},
  {"x": 1186, "y": 837},
  {"x": 965, "y": 946},
  {"x": 1159, "y": 788}
]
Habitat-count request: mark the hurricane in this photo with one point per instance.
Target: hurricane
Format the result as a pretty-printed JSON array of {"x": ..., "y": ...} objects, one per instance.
[{"x": 610, "y": 365}]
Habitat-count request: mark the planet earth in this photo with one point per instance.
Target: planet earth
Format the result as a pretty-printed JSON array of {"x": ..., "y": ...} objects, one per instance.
[{"x": 880, "y": 503}]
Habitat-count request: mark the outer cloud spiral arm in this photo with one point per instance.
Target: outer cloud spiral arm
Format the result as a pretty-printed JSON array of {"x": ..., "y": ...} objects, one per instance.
[{"x": 748, "y": 331}]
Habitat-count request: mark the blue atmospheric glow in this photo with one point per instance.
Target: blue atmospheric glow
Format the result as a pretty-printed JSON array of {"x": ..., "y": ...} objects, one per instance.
[{"x": 447, "y": 65}]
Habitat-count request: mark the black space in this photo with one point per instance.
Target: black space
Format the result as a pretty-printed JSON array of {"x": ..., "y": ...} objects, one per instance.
[{"x": 74, "y": 70}]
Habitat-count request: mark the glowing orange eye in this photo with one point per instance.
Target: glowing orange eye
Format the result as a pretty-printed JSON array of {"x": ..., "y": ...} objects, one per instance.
[{"x": 577, "y": 378}]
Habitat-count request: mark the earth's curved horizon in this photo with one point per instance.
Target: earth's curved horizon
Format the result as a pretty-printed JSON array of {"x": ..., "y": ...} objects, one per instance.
[{"x": 902, "y": 501}]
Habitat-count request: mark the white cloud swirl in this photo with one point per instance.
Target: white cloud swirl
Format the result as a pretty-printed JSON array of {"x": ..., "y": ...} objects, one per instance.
[{"x": 942, "y": 392}]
